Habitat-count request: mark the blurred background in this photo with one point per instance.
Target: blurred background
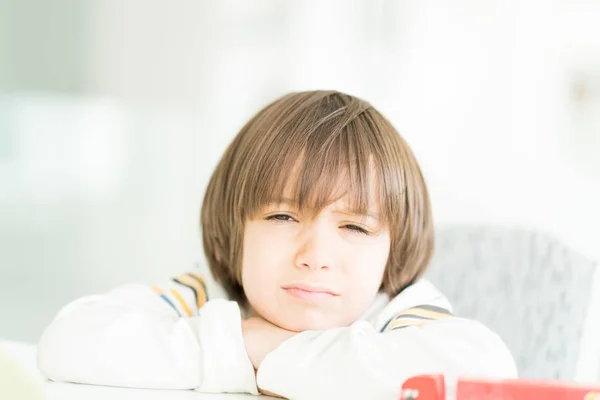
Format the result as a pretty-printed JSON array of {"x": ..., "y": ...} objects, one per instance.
[{"x": 113, "y": 115}]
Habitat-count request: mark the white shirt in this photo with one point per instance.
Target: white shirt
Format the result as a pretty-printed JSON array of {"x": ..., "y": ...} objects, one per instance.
[{"x": 150, "y": 337}]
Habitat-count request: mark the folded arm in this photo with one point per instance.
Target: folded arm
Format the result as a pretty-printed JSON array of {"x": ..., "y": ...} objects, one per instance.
[
  {"x": 163, "y": 337},
  {"x": 360, "y": 362}
]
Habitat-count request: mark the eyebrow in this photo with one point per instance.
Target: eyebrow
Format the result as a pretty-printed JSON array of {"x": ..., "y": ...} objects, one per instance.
[{"x": 371, "y": 214}]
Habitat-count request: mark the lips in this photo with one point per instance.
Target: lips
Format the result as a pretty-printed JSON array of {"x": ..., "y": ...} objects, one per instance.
[
  {"x": 310, "y": 291},
  {"x": 311, "y": 287}
]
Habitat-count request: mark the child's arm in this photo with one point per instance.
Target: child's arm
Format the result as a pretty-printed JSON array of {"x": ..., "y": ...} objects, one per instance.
[
  {"x": 149, "y": 337},
  {"x": 359, "y": 362}
]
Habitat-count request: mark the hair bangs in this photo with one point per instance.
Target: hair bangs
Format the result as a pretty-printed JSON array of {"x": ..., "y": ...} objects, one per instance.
[{"x": 314, "y": 168}]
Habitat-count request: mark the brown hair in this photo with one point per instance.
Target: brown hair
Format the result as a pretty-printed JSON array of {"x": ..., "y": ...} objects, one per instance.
[{"x": 324, "y": 134}]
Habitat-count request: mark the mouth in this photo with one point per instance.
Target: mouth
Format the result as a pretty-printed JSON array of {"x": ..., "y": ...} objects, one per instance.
[{"x": 310, "y": 292}]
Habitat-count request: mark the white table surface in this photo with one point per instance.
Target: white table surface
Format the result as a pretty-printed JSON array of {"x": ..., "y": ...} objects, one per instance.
[{"x": 25, "y": 355}]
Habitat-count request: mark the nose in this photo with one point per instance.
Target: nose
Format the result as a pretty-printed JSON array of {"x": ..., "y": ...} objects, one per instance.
[{"x": 316, "y": 250}]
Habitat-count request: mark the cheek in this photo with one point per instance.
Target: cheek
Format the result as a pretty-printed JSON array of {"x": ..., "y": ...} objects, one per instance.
[
  {"x": 261, "y": 262},
  {"x": 369, "y": 267},
  {"x": 368, "y": 278}
]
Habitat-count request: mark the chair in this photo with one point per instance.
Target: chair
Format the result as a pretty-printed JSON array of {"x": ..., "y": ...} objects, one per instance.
[{"x": 537, "y": 294}]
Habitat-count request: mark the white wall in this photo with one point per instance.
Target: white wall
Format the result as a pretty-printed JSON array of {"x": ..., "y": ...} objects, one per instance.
[{"x": 102, "y": 184}]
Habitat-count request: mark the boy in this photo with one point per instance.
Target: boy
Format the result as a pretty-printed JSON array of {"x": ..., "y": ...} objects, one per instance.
[{"x": 317, "y": 223}]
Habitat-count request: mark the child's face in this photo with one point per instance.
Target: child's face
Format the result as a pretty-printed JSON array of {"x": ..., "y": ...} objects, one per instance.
[{"x": 320, "y": 273}]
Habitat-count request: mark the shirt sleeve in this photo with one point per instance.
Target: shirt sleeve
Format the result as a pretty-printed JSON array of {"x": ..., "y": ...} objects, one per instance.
[
  {"x": 160, "y": 337},
  {"x": 358, "y": 362}
]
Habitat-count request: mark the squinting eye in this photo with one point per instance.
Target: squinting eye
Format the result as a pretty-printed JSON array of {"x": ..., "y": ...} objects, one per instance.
[
  {"x": 356, "y": 229},
  {"x": 280, "y": 218}
]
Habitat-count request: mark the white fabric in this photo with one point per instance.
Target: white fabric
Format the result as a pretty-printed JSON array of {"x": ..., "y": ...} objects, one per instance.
[
  {"x": 130, "y": 337},
  {"x": 421, "y": 293}
]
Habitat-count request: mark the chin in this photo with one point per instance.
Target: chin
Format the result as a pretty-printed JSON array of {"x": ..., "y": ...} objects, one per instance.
[{"x": 308, "y": 323}]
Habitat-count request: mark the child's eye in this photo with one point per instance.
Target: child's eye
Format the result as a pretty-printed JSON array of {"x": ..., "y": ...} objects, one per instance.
[
  {"x": 356, "y": 229},
  {"x": 280, "y": 218}
]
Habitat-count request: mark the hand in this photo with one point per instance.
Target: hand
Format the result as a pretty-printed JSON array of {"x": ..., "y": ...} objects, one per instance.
[{"x": 261, "y": 337}]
